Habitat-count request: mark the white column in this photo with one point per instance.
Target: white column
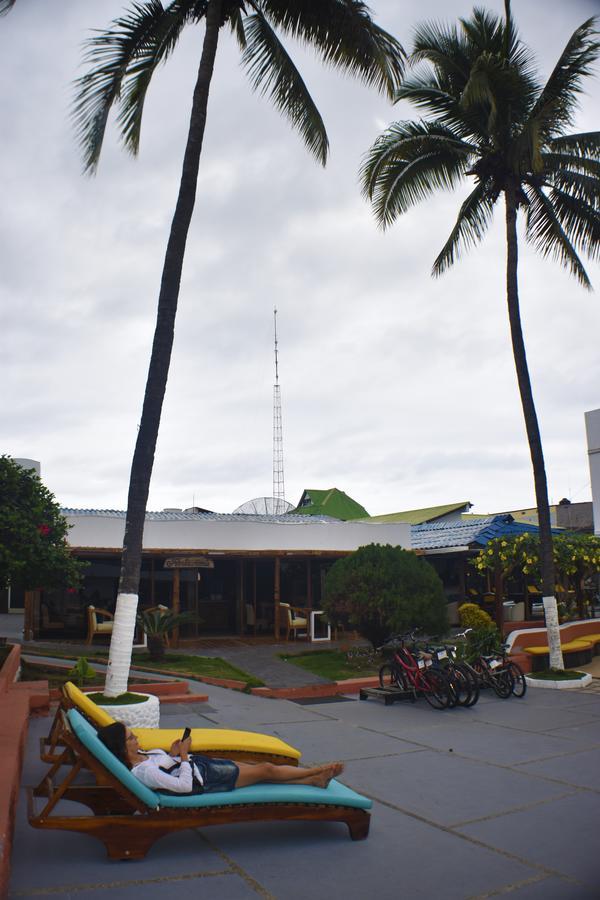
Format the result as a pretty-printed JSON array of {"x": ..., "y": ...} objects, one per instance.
[{"x": 592, "y": 427}]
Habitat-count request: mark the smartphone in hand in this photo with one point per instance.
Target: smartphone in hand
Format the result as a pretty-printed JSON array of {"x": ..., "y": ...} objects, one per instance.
[{"x": 186, "y": 734}]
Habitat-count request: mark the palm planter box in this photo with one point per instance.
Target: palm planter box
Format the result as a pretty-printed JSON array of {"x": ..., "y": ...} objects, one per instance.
[{"x": 142, "y": 714}]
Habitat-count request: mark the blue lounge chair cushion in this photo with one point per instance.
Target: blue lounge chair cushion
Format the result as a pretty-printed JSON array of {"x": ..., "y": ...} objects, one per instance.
[{"x": 335, "y": 794}]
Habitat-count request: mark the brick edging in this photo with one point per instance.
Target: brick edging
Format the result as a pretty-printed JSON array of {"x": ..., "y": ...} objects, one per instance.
[{"x": 329, "y": 689}]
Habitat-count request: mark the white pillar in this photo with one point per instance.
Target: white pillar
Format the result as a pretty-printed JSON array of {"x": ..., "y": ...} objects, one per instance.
[{"x": 592, "y": 427}]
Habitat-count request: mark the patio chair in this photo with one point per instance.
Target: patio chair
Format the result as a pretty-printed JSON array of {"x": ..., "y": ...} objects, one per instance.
[
  {"x": 96, "y": 625},
  {"x": 293, "y": 621},
  {"x": 128, "y": 817},
  {"x": 244, "y": 746},
  {"x": 254, "y": 622}
]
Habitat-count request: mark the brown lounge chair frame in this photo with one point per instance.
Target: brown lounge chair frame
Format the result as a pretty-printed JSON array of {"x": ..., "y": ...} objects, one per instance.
[
  {"x": 128, "y": 828},
  {"x": 52, "y": 744}
]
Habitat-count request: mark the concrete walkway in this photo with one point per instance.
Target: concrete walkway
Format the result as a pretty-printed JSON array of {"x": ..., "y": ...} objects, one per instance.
[{"x": 498, "y": 800}]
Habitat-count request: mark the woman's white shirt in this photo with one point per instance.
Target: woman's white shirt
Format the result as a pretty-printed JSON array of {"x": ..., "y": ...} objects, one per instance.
[{"x": 149, "y": 773}]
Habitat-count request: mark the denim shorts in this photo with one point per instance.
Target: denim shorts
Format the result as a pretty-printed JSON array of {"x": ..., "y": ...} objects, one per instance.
[{"x": 217, "y": 774}]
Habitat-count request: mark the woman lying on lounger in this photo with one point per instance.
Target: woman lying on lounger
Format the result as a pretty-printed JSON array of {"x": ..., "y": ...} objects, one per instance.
[{"x": 180, "y": 773}]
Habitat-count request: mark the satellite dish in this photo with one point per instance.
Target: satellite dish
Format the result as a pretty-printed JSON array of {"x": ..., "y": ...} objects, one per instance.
[{"x": 265, "y": 506}]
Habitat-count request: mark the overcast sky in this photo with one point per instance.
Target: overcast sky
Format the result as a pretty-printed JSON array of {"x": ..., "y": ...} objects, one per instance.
[{"x": 396, "y": 388}]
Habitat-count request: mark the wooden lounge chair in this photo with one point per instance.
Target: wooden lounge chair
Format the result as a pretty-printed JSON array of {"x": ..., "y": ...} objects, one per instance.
[
  {"x": 128, "y": 817},
  {"x": 245, "y": 746}
]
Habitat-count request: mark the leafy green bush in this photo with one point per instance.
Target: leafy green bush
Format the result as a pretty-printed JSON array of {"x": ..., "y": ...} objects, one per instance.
[
  {"x": 381, "y": 589},
  {"x": 482, "y": 641},
  {"x": 472, "y": 616}
]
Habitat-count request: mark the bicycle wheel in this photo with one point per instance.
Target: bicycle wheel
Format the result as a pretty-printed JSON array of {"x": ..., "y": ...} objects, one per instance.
[
  {"x": 471, "y": 675},
  {"x": 519, "y": 682},
  {"x": 461, "y": 684},
  {"x": 502, "y": 683},
  {"x": 436, "y": 689},
  {"x": 454, "y": 688},
  {"x": 389, "y": 676}
]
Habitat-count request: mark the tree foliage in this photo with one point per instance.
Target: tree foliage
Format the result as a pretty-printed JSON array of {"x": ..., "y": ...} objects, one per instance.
[
  {"x": 34, "y": 552},
  {"x": 490, "y": 119},
  {"x": 380, "y": 589},
  {"x": 576, "y": 556}
]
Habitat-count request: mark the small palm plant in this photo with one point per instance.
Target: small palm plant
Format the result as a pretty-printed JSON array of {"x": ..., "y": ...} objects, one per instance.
[
  {"x": 82, "y": 672},
  {"x": 157, "y": 624}
]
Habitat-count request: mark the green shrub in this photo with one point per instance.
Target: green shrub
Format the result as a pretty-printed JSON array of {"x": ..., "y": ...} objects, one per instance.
[
  {"x": 379, "y": 590},
  {"x": 472, "y": 616},
  {"x": 483, "y": 641},
  {"x": 82, "y": 672}
]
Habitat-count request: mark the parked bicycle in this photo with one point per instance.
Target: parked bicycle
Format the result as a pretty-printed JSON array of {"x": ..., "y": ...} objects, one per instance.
[
  {"x": 416, "y": 675},
  {"x": 463, "y": 678},
  {"x": 497, "y": 671}
]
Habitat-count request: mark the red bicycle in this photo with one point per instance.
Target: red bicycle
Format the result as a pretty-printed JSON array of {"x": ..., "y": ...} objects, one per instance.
[{"x": 415, "y": 675}]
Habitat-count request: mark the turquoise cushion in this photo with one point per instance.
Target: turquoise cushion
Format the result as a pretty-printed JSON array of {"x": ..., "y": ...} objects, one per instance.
[
  {"x": 88, "y": 737},
  {"x": 335, "y": 794}
]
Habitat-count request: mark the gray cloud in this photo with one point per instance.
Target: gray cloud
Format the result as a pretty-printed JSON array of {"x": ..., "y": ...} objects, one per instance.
[{"x": 397, "y": 388}]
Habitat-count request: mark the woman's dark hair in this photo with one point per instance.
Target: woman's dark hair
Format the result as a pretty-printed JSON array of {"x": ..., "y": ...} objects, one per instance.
[{"x": 114, "y": 738}]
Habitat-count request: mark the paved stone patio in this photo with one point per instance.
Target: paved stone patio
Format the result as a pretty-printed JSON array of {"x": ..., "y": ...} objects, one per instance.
[{"x": 499, "y": 800}]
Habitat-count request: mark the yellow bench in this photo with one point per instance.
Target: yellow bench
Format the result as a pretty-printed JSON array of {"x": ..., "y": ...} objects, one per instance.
[
  {"x": 226, "y": 742},
  {"x": 576, "y": 646}
]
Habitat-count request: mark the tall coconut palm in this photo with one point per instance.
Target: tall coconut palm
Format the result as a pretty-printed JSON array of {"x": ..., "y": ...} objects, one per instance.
[
  {"x": 490, "y": 119},
  {"x": 122, "y": 61}
]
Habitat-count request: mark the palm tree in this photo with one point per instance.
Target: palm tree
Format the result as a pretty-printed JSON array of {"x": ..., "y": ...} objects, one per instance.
[
  {"x": 490, "y": 119},
  {"x": 122, "y": 62}
]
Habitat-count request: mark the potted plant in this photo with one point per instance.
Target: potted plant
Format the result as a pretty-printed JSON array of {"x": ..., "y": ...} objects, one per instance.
[{"x": 157, "y": 624}]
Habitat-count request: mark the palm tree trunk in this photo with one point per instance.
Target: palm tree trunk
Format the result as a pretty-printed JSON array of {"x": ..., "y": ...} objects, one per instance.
[
  {"x": 143, "y": 457},
  {"x": 533, "y": 432}
]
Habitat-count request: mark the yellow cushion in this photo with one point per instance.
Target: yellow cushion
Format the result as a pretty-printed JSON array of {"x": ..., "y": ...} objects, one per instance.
[
  {"x": 98, "y": 716},
  {"x": 213, "y": 739},
  {"x": 577, "y": 644}
]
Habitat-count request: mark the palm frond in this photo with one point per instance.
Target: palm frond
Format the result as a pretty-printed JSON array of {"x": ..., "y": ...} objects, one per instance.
[
  {"x": 408, "y": 163},
  {"x": 345, "y": 37},
  {"x": 5, "y": 5},
  {"x": 544, "y": 231},
  {"x": 237, "y": 26},
  {"x": 580, "y": 220},
  {"x": 557, "y": 102},
  {"x": 474, "y": 218},
  {"x": 427, "y": 93},
  {"x": 123, "y": 60},
  {"x": 446, "y": 50},
  {"x": 272, "y": 72},
  {"x": 555, "y": 162},
  {"x": 579, "y": 185},
  {"x": 585, "y": 145}
]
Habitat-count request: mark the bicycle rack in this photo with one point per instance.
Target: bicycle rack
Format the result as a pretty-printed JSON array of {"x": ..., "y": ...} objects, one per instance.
[{"x": 388, "y": 695}]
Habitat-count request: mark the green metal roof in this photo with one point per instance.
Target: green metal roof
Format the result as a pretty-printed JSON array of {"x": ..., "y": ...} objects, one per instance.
[
  {"x": 331, "y": 502},
  {"x": 418, "y": 516}
]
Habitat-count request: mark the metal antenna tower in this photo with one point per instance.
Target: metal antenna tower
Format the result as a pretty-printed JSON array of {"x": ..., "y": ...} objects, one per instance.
[{"x": 278, "y": 486}]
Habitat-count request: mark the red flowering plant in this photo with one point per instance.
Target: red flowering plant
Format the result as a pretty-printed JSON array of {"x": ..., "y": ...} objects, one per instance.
[{"x": 34, "y": 551}]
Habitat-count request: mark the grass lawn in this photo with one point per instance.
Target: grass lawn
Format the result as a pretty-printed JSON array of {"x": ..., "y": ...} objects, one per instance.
[
  {"x": 212, "y": 666},
  {"x": 561, "y": 675},
  {"x": 192, "y": 666},
  {"x": 332, "y": 664}
]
